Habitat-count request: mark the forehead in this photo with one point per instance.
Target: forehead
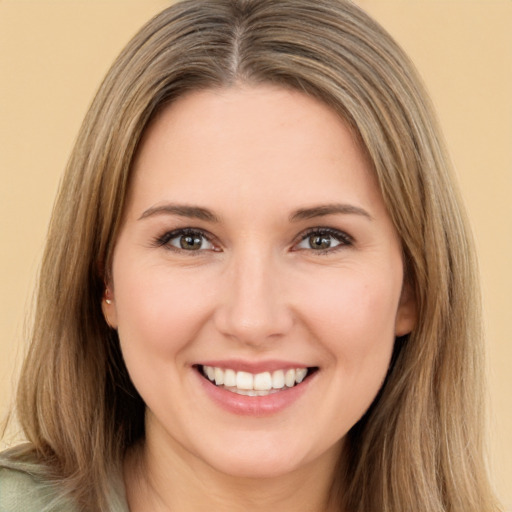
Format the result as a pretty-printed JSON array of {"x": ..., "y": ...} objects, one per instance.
[{"x": 260, "y": 143}]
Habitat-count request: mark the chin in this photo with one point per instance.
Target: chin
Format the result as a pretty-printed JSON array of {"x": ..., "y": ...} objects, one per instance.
[
  {"x": 268, "y": 468},
  {"x": 264, "y": 459}
]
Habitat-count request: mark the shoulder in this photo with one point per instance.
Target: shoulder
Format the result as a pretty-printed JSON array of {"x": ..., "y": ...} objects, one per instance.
[{"x": 23, "y": 488}]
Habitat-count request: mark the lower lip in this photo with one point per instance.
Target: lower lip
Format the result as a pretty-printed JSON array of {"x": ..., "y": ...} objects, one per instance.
[{"x": 253, "y": 405}]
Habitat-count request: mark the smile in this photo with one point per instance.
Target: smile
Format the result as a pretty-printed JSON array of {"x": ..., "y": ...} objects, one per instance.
[{"x": 259, "y": 384}]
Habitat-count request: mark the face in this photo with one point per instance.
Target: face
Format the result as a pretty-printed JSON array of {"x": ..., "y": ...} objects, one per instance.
[{"x": 257, "y": 281}]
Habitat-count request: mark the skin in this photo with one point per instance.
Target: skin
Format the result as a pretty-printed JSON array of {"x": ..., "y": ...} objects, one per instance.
[{"x": 255, "y": 290}]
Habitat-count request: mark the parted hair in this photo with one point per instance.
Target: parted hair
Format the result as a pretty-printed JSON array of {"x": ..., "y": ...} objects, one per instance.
[{"x": 420, "y": 446}]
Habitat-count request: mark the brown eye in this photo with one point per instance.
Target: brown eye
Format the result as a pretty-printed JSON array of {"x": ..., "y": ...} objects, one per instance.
[
  {"x": 191, "y": 242},
  {"x": 320, "y": 242},
  {"x": 323, "y": 240}
]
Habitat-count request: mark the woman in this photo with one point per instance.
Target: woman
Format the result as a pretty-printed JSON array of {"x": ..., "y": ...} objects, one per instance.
[{"x": 258, "y": 289}]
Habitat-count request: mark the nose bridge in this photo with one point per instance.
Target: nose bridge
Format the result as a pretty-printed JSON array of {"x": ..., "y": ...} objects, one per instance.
[{"x": 254, "y": 309}]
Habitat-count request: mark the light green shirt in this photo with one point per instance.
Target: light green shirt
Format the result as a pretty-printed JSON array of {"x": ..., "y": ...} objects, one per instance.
[{"x": 24, "y": 489}]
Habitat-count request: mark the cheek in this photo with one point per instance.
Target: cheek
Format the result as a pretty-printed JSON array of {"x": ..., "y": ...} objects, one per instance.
[
  {"x": 354, "y": 319},
  {"x": 159, "y": 315},
  {"x": 159, "y": 312},
  {"x": 355, "y": 303}
]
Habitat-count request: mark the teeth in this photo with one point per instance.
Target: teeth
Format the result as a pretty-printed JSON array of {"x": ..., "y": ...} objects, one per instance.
[
  {"x": 210, "y": 372},
  {"x": 219, "y": 376},
  {"x": 300, "y": 375},
  {"x": 244, "y": 380},
  {"x": 289, "y": 378},
  {"x": 253, "y": 392},
  {"x": 263, "y": 381},
  {"x": 229, "y": 378},
  {"x": 260, "y": 384},
  {"x": 278, "y": 379}
]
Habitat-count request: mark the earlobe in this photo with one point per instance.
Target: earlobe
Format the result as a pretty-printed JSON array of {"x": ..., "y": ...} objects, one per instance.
[
  {"x": 407, "y": 313},
  {"x": 108, "y": 307}
]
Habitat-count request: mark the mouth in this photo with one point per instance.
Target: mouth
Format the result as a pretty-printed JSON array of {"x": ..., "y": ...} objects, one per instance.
[{"x": 259, "y": 384}]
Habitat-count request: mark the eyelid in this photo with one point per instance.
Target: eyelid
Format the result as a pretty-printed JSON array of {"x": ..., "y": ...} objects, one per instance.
[
  {"x": 164, "y": 239},
  {"x": 344, "y": 238}
]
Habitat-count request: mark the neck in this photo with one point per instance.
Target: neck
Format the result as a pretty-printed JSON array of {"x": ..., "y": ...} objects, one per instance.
[{"x": 177, "y": 481}]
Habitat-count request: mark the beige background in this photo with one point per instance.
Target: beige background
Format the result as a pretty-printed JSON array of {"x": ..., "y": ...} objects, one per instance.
[{"x": 53, "y": 54}]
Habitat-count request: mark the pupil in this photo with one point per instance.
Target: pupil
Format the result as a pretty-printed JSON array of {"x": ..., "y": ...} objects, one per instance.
[
  {"x": 190, "y": 242},
  {"x": 319, "y": 242}
]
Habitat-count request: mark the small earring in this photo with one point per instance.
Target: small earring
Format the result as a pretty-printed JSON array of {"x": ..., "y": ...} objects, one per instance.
[{"x": 106, "y": 296}]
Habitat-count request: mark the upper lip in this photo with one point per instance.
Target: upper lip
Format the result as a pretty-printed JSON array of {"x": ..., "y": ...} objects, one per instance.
[{"x": 254, "y": 367}]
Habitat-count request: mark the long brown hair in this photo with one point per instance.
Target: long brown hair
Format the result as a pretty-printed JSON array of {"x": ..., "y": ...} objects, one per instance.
[{"x": 420, "y": 446}]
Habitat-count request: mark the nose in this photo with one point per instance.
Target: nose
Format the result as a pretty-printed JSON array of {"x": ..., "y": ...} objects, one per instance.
[{"x": 254, "y": 309}]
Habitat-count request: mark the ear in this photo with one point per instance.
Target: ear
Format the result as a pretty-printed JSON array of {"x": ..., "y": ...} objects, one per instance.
[
  {"x": 108, "y": 306},
  {"x": 407, "y": 313}
]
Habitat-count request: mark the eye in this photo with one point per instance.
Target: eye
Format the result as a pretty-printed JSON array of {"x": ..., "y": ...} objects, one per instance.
[
  {"x": 192, "y": 240},
  {"x": 323, "y": 240}
]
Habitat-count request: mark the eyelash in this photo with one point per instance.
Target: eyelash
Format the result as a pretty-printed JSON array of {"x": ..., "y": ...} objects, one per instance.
[
  {"x": 163, "y": 240},
  {"x": 343, "y": 238}
]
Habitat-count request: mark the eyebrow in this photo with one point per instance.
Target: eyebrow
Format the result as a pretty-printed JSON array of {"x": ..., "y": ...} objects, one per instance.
[
  {"x": 328, "y": 209},
  {"x": 197, "y": 212},
  {"x": 192, "y": 212}
]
